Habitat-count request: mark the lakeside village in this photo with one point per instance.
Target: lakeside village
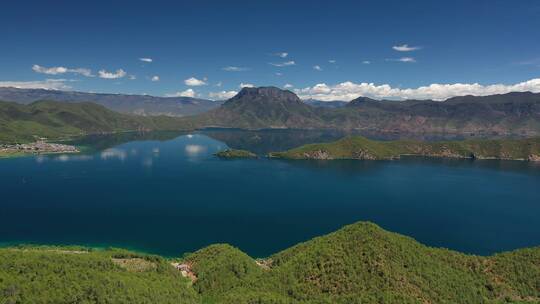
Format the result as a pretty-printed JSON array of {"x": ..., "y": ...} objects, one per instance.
[{"x": 38, "y": 147}]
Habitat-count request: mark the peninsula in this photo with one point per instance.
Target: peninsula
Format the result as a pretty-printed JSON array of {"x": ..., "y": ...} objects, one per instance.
[{"x": 357, "y": 147}]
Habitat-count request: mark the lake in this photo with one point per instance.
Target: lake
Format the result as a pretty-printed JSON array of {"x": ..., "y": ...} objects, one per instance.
[{"x": 166, "y": 193}]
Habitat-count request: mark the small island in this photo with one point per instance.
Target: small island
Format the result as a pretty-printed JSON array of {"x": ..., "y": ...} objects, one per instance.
[
  {"x": 234, "y": 153},
  {"x": 361, "y": 148},
  {"x": 38, "y": 147}
]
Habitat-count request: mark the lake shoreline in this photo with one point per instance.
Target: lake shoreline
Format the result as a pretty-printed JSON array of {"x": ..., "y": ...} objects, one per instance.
[
  {"x": 39, "y": 147},
  {"x": 134, "y": 249}
]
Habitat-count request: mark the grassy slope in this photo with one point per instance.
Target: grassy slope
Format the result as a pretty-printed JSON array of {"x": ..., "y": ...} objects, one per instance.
[
  {"x": 362, "y": 148},
  {"x": 19, "y": 123},
  {"x": 360, "y": 263},
  {"x": 57, "y": 275}
]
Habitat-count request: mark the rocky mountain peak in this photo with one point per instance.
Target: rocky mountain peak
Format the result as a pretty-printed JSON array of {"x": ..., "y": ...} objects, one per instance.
[
  {"x": 266, "y": 93},
  {"x": 360, "y": 100}
]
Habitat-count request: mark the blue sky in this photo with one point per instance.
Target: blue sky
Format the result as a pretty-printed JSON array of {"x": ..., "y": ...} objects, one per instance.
[{"x": 332, "y": 47}]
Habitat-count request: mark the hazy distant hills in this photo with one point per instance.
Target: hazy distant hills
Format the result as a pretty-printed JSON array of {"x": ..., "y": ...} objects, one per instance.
[
  {"x": 516, "y": 113},
  {"x": 53, "y": 119},
  {"x": 270, "y": 107},
  {"x": 132, "y": 104},
  {"x": 326, "y": 104}
]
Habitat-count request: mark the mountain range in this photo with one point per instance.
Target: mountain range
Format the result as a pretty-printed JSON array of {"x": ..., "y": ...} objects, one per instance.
[
  {"x": 144, "y": 105},
  {"x": 515, "y": 113},
  {"x": 512, "y": 114}
]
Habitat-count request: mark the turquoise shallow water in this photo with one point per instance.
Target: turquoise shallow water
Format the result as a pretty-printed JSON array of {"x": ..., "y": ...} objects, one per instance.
[{"x": 168, "y": 194}]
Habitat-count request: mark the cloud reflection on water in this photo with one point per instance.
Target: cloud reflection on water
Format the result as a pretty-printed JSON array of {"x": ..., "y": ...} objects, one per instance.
[
  {"x": 113, "y": 153},
  {"x": 195, "y": 150},
  {"x": 66, "y": 158},
  {"x": 63, "y": 158},
  {"x": 148, "y": 162}
]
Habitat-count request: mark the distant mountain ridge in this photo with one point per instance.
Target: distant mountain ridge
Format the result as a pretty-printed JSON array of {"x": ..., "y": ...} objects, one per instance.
[
  {"x": 54, "y": 119},
  {"x": 512, "y": 114},
  {"x": 360, "y": 100},
  {"x": 326, "y": 104},
  {"x": 144, "y": 105},
  {"x": 515, "y": 113}
]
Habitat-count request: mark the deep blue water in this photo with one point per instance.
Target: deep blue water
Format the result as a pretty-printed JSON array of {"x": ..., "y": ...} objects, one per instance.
[{"x": 169, "y": 195}]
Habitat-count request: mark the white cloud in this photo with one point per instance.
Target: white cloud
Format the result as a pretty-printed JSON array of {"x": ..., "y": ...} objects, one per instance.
[
  {"x": 406, "y": 59},
  {"x": 402, "y": 59},
  {"x": 235, "y": 69},
  {"x": 186, "y": 93},
  {"x": 246, "y": 85},
  {"x": 320, "y": 88},
  {"x": 49, "y": 71},
  {"x": 219, "y": 84},
  {"x": 283, "y": 64},
  {"x": 349, "y": 90},
  {"x": 82, "y": 71},
  {"x": 406, "y": 48},
  {"x": 222, "y": 95},
  {"x": 532, "y": 62},
  {"x": 61, "y": 70},
  {"x": 317, "y": 68},
  {"x": 194, "y": 82},
  {"x": 281, "y": 54},
  {"x": 155, "y": 78},
  {"x": 146, "y": 59},
  {"x": 112, "y": 75},
  {"x": 288, "y": 86},
  {"x": 279, "y": 74},
  {"x": 132, "y": 77},
  {"x": 48, "y": 84},
  {"x": 332, "y": 61},
  {"x": 366, "y": 62}
]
